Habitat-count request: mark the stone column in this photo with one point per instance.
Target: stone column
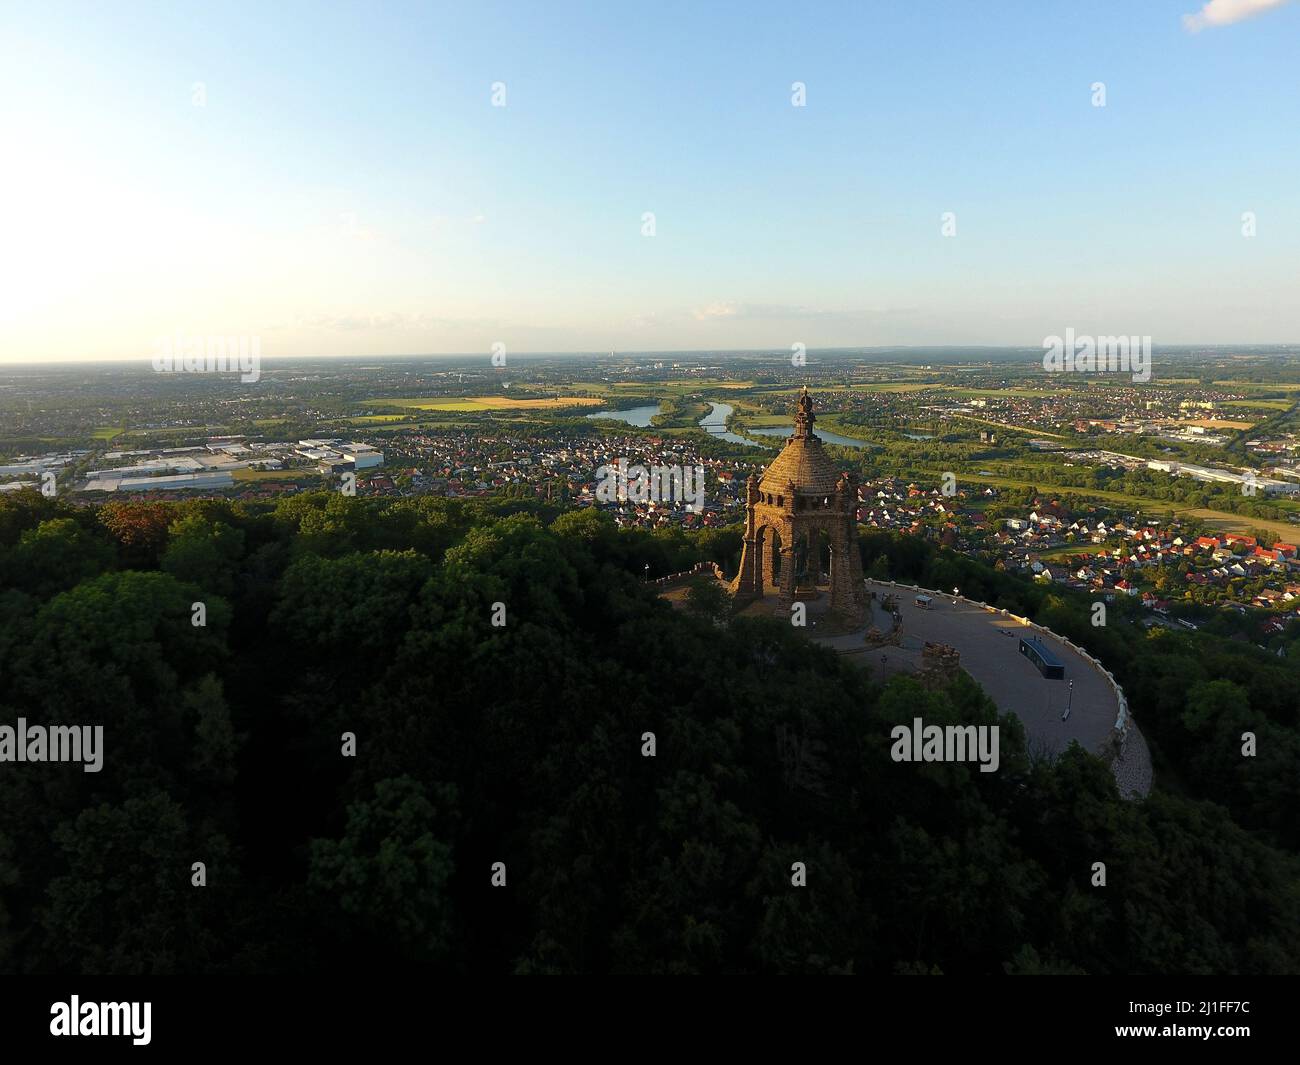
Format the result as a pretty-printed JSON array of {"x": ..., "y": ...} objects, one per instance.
[
  {"x": 749, "y": 582},
  {"x": 848, "y": 596},
  {"x": 787, "y": 574}
]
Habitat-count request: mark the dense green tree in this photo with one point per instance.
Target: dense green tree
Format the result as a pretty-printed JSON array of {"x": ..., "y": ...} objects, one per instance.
[
  {"x": 203, "y": 552},
  {"x": 123, "y": 898},
  {"x": 53, "y": 557},
  {"x": 388, "y": 873},
  {"x": 516, "y": 692}
]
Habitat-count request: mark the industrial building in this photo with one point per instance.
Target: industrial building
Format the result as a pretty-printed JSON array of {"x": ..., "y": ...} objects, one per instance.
[
  {"x": 107, "y": 481},
  {"x": 335, "y": 454},
  {"x": 213, "y": 465}
]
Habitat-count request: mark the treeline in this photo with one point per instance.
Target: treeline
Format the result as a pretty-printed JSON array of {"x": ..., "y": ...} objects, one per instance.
[
  {"x": 1193, "y": 694},
  {"x": 499, "y": 675}
]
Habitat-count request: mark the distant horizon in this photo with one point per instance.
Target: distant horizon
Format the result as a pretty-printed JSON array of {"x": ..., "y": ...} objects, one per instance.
[{"x": 752, "y": 352}]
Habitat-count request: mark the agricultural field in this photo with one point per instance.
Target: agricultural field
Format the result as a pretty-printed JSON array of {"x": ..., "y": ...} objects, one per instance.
[
  {"x": 1260, "y": 404},
  {"x": 274, "y": 475},
  {"x": 1258, "y": 386},
  {"x": 1212, "y": 423},
  {"x": 485, "y": 403},
  {"x": 1219, "y": 521}
]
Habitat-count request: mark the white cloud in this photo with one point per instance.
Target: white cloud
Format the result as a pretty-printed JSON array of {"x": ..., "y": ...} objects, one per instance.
[
  {"x": 729, "y": 309},
  {"x": 1226, "y": 12},
  {"x": 717, "y": 310}
]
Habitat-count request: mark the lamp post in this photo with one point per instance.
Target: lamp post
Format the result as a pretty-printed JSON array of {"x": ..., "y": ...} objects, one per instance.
[{"x": 1069, "y": 703}]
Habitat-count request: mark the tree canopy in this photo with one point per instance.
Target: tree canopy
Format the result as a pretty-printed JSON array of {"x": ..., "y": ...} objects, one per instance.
[{"x": 498, "y": 677}]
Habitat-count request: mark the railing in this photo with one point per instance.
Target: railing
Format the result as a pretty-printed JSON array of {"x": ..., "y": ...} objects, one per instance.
[
  {"x": 694, "y": 571},
  {"x": 1122, "y": 717}
]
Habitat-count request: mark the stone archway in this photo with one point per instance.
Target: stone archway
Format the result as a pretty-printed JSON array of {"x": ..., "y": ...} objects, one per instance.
[{"x": 770, "y": 544}]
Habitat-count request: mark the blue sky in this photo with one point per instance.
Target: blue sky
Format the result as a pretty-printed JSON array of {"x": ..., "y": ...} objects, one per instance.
[{"x": 334, "y": 178}]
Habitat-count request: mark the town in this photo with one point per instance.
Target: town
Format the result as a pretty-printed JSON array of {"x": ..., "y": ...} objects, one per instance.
[{"x": 1181, "y": 494}]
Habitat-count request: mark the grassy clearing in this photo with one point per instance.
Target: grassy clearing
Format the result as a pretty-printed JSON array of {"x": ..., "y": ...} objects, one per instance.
[
  {"x": 108, "y": 432},
  {"x": 1222, "y": 522},
  {"x": 1086, "y": 547}
]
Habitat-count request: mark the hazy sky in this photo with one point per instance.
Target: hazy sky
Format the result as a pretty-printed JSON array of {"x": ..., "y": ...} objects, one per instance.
[{"x": 334, "y": 178}]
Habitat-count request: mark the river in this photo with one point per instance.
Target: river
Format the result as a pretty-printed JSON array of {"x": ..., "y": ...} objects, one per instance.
[{"x": 639, "y": 416}]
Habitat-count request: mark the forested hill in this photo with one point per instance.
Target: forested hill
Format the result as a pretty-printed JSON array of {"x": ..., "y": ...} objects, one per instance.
[{"x": 522, "y": 743}]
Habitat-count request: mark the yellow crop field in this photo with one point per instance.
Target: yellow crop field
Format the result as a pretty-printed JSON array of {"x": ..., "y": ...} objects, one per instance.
[
  {"x": 1211, "y": 423},
  {"x": 477, "y": 403}
]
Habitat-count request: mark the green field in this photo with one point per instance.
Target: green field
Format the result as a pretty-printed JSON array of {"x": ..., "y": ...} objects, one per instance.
[
  {"x": 273, "y": 475},
  {"x": 1256, "y": 386},
  {"x": 1260, "y": 404}
]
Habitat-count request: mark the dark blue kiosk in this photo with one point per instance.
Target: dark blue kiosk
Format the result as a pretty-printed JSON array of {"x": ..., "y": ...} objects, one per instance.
[{"x": 1043, "y": 659}]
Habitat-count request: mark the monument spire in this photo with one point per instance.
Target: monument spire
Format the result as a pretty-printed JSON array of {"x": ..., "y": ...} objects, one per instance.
[{"x": 804, "y": 417}]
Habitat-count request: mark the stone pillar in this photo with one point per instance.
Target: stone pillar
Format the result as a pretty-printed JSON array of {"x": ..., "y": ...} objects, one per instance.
[
  {"x": 787, "y": 575},
  {"x": 749, "y": 582},
  {"x": 848, "y": 595}
]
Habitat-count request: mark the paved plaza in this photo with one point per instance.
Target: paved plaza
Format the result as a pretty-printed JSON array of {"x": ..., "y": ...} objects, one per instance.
[{"x": 988, "y": 643}]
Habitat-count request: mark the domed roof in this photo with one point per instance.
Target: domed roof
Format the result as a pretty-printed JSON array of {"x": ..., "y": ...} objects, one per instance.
[
  {"x": 805, "y": 463},
  {"x": 803, "y": 460}
]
